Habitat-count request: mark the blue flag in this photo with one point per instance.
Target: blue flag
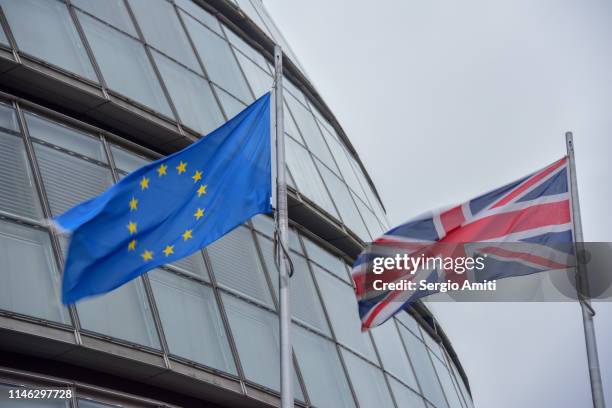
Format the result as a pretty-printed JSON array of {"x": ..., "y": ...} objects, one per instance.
[{"x": 170, "y": 208}]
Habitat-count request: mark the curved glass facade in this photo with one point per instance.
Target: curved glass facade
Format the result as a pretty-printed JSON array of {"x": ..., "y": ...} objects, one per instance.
[{"x": 213, "y": 316}]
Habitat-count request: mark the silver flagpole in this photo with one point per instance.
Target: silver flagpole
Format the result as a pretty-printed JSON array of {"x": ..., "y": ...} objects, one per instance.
[
  {"x": 282, "y": 226},
  {"x": 582, "y": 283}
]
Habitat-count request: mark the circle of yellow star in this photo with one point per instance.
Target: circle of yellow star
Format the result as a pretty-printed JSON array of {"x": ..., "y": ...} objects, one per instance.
[
  {"x": 132, "y": 245},
  {"x": 147, "y": 255},
  {"x": 132, "y": 227},
  {"x": 133, "y": 204},
  {"x": 187, "y": 235},
  {"x": 169, "y": 250},
  {"x": 197, "y": 176},
  {"x": 181, "y": 168},
  {"x": 144, "y": 183},
  {"x": 199, "y": 213},
  {"x": 161, "y": 170},
  {"x": 202, "y": 190}
]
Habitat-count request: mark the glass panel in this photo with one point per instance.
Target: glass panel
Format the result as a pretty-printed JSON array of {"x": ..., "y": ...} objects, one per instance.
[
  {"x": 368, "y": 382},
  {"x": 125, "y": 65},
  {"x": 320, "y": 366},
  {"x": 193, "y": 263},
  {"x": 346, "y": 168},
  {"x": 30, "y": 279},
  {"x": 433, "y": 346},
  {"x": 261, "y": 82},
  {"x": 249, "y": 51},
  {"x": 404, "y": 396},
  {"x": 17, "y": 191},
  {"x": 409, "y": 322},
  {"x": 263, "y": 223},
  {"x": 6, "y": 402},
  {"x": 111, "y": 11},
  {"x": 236, "y": 264},
  {"x": 3, "y": 38},
  {"x": 459, "y": 380},
  {"x": 341, "y": 306},
  {"x": 290, "y": 126},
  {"x": 368, "y": 216},
  {"x": 326, "y": 259},
  {"x": 345, "y": 204},
  {"x": 310, "y": 132},
  {"x": 392, "y": 353},
  {"x": 306, "y": 176},
  {"x": 447, "y": 383},
  {"x": 256, "y": 334},
  {"x": 191, "y": 94},
  {"x": 7, "y": 116},
  {"x": 218, "y": 59},
  {"x": 231, "y": 105},
  {"x": 123, "y": 313},
  {"x": 162, "y": 29},
  {"x": 65, "y": 137},
  {"x": 373, "y": 200},
  {"x": 199, "y": 13},
  {"x": 288, "y": 85},
  {"x": 247, "y": 7},
  {"x": 191, "y": 321},
  {"x": 69, "y": 180},
  {"x": 127, "y": 161},
  {"x": 45, "y": 30},
  {"x": 423, "y": 368}
]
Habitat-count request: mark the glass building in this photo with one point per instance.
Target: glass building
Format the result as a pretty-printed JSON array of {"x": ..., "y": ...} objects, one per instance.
[{"x": 91, "y": 90}]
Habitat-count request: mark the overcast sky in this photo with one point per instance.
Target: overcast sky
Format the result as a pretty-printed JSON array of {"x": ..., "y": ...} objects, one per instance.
[{"x": 445, "y": 100}]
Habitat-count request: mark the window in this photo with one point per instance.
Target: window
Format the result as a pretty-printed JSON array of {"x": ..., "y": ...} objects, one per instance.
[
  {"x": 191, "y": 94},
  {"x": 448, "y": 385},
  {"x": 320, "y": 366},
  {"x": 162, "y": 29},
  {"x": 125, "y": 65},
  {"x": 310, "y": 131},
  {"x": 123, "y": 313},
  {"x": 127, "y": 161},
  {"x": 194, "y": 264},
  {"x": 30, "y": 280},
  {"x": 324, "y": 258},
  {"x": 341, "y": 156},
  {"x": 256, "y": 334},
  {"x": 368, "y": 382},
  {"x": 404, "y": 396},
  {"x": 392, "y": 354},
  {"x": 8, "y": 119},
  {"x": 17, "y": 192},
  {"x": 423, "y": 369},
  {"x": 218, "y": 59},
  {"x": 249, "y": 51},
  {"x": 261, "y": 81},
  {"x": 65, "y": 137},
  {"x": 69, "y": 180},
  {"x": 345, "y": 204},
  {"x": 342, "y": 309},
  {"x": 191, "y": 321},
  {"x": 45, "y": 30},
  {"x": 111, "y": 11},
  {"x": 200, "y": 14},
  {"x": 407, "y": 320},
  {"x": 231, "y": 105},
  {"x": 306, "y": 176},
  {"x": 236, "y": 265},
  {"x": 368, "y": 216}
]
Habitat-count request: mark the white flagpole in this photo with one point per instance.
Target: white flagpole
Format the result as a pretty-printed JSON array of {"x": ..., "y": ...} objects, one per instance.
[
  {"x": 282, "y": 226},
  {"x": 582, "y": 283}
]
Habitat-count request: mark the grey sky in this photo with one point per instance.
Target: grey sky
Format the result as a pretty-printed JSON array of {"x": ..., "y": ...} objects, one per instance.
[{"x": 446, "y": 100}]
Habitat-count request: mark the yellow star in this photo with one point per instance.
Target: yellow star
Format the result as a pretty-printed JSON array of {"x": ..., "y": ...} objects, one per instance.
[
  {"x": 199, "y": 213},
  {"x": 161, "y": 170},
  {"x": 132, "y": 245},
  {"x": 147, "y": 255},
  {"x": 169, "y": 250},
  {"x": 187, "y": 235},
  {"x": 144, "y": 183},
  {"x": 133, "y": 204},
  {"x": 182, "y": 167},
  {"x": 197, "y": 176},
  {"x": 202, "y": 190},
  {"x": 131, "y": 227}
]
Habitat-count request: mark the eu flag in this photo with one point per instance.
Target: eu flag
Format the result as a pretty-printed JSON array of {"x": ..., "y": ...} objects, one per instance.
[{"x": 170, "y": 208}]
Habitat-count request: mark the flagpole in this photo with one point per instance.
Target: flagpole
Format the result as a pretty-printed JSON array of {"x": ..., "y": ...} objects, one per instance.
[
  {"x": 282, "y": 226},
  {"x": 582, "y": 284}
]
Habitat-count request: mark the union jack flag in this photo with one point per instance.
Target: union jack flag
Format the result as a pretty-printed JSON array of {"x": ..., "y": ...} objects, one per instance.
[{"x": 533, "y": 213}]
